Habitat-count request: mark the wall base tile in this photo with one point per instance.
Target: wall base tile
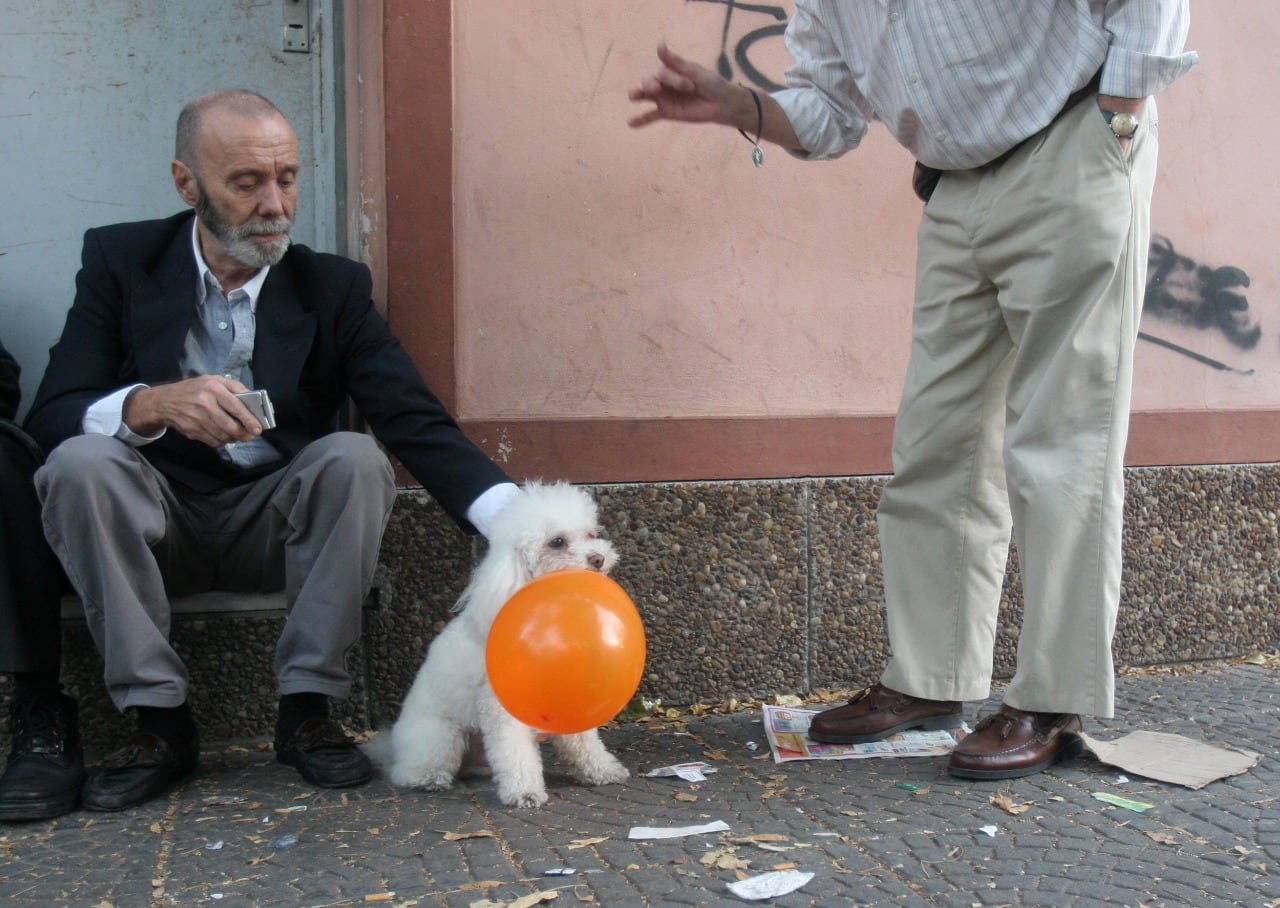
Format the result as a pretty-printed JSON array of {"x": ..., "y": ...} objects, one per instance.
[{"x": 749, "y": 589}]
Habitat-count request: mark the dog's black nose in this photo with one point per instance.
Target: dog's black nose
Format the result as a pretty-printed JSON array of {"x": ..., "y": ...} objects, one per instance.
[{"x": 596, "y": 561}]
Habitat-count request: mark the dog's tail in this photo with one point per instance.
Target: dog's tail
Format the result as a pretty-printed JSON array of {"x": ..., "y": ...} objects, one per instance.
[{"x": 379, "y": 750}]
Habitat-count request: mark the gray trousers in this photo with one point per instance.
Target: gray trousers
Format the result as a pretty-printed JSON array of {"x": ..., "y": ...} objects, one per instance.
[{"x": 129, "y": 539}]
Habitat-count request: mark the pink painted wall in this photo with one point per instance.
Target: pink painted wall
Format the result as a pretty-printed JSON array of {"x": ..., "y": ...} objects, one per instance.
[
  {"x": 653, "y": 294},
  {"x": 1218, "y": 202},
  {"x": 605, "y": 272}
]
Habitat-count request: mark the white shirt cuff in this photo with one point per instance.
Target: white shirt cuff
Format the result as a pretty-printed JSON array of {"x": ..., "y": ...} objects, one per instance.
[
  {"x": 106, "y": 417},
  {"x": 491, "y": 501}
]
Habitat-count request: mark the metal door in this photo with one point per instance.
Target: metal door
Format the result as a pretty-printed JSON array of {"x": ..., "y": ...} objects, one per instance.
[{"x": 89, "y": 96}]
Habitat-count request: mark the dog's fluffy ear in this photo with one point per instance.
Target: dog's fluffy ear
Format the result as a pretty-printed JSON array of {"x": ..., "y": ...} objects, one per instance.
[
  {"x": 516, "y": 537},
  {"x": 499, "y": 574}
]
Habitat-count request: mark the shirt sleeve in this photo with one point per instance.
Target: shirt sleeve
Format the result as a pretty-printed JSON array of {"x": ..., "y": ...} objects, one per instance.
[
  {"x": 491, "y": 501},
  {"x": 106, "y": 417},
  {"x": 1146, "y": 53},
  {"x": 821, "y": 101}
]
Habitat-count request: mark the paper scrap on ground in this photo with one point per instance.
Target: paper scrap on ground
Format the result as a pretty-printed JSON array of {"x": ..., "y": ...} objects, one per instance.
[
  {"x": 675, "y": 832},
  {"x": 769, "y": 885},
  {"x": 788, "y": 731},
  {"x": 690, "y": 772},
  {"x": 1171, "y": 758},
  {"x": 1127, "y": 803}
]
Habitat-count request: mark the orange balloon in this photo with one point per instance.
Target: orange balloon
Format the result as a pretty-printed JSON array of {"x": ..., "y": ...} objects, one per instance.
[{"x": 566, "y": 652}]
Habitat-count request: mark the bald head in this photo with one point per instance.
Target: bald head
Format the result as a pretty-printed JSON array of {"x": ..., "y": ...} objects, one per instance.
[
  {"x": 237, "y": 101},
  {"x": 237, "y": 165}
]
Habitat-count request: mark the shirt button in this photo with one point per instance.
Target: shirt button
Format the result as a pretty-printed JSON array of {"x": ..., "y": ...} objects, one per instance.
[{"x": 222, "y": 326}]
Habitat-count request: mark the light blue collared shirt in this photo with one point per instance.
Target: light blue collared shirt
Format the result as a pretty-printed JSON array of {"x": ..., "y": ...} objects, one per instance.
[{"x": 220, "y": 342}]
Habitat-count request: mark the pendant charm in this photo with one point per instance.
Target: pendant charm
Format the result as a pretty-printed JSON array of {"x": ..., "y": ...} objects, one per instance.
[{"x": 757, "y": 156}]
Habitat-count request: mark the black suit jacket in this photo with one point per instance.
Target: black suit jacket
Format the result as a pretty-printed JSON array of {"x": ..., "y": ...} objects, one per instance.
[
  {"x": 10, "y": 389},
  {"x": 318, "y": 341}
]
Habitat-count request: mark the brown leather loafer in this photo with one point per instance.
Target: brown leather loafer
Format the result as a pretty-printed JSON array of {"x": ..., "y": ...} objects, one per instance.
[
  {"x": 878, "y": 712},
  {"x": 1013, "y": 743}
]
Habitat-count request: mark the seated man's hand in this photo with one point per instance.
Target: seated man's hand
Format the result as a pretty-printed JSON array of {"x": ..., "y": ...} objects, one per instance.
[{"x": 204, "y": 409}]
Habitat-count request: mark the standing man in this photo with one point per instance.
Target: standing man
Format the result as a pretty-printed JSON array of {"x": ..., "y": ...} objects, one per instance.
[
  {"x": 1035, "y": 132},
  {"x": 160, "y": 481},
  {"x": 44, "y": 769}
]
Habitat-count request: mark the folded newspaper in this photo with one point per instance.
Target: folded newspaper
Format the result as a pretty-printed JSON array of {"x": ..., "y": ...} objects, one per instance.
[{"x": 788, "y": 731}]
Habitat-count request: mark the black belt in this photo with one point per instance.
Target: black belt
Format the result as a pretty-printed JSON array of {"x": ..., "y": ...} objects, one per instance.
[{"x": 925, "y": 178}]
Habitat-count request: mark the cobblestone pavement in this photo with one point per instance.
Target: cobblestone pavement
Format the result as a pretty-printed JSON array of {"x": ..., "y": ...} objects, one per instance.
[{"x": 245, "y": 831}]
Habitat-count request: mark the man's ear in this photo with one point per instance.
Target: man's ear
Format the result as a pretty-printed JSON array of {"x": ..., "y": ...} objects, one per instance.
[{"x": 185, "y": 182}]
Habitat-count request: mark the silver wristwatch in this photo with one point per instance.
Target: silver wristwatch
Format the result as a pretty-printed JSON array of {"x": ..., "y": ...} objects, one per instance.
[{"x": 1123, "y": 125}]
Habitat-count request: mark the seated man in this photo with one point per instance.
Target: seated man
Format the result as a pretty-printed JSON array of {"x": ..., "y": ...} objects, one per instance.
[
  {"x": 44, "y": 769},
  {"x": 160, "y": 481}
]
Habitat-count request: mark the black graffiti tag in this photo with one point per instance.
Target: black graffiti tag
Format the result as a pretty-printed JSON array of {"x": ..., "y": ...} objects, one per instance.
[
  {"x": 742, "y": 48},
  {"x": 1186, "y": 293}
]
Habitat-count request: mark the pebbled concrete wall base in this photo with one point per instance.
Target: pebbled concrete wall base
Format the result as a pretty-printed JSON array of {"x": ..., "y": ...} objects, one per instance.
[{"x": 750, "y": 589}]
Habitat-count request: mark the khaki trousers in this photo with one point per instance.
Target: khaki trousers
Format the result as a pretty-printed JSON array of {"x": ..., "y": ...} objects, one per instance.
[{"x": 1014, "y": 415}]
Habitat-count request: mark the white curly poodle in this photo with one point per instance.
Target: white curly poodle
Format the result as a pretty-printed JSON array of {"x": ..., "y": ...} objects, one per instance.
[{"x": 451, "y": 711}]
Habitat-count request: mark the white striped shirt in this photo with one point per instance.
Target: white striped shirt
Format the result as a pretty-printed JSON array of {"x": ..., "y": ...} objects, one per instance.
[{"x": 960, "y": 82}]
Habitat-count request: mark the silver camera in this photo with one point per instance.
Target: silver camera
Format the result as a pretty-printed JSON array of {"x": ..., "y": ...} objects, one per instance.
[{"x": 259, "y": 405}]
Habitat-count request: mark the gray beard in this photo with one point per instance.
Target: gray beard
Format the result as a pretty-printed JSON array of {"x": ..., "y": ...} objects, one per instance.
[{"x": 238, "y": 240}]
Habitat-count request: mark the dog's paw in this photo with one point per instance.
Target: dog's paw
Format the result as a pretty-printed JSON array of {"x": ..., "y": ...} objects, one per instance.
[
  {"x": 605, "y": 771},
  {"x": 532, "y": 798}
]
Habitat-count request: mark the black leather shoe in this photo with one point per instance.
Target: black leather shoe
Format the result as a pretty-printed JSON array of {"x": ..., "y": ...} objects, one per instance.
[
  {"x": 145, "y": 767},
  {"x": 323, "y": 755},
  {"x": 45, "y": 769}
]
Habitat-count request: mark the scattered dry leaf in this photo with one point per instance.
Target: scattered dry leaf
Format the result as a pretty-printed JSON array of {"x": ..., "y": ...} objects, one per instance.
[
  {"x": 479, "y": 884},
  {"x": 1163, "y": 838},
  {"x": 526, "y": 901},
  {"x": 583, "y": 843},
  {"x": 724, "y": 859},
  {"x": 1005, "y": 803},
  {"x": 478, "y": 834}
]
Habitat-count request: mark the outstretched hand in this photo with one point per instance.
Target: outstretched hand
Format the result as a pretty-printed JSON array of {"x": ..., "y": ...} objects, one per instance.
[{"x": 684, "y": 91}]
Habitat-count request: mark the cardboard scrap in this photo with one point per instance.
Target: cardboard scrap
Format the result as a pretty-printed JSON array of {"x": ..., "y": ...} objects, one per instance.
[{"x": 1171, "y": 758}]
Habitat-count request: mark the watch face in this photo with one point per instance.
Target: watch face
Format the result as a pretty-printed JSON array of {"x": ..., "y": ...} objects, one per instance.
[{"x": 1124, "y": 125}]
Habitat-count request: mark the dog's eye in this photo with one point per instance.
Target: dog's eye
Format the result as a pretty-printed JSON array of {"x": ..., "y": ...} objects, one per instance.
[{"x": 558, "y": 542}]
